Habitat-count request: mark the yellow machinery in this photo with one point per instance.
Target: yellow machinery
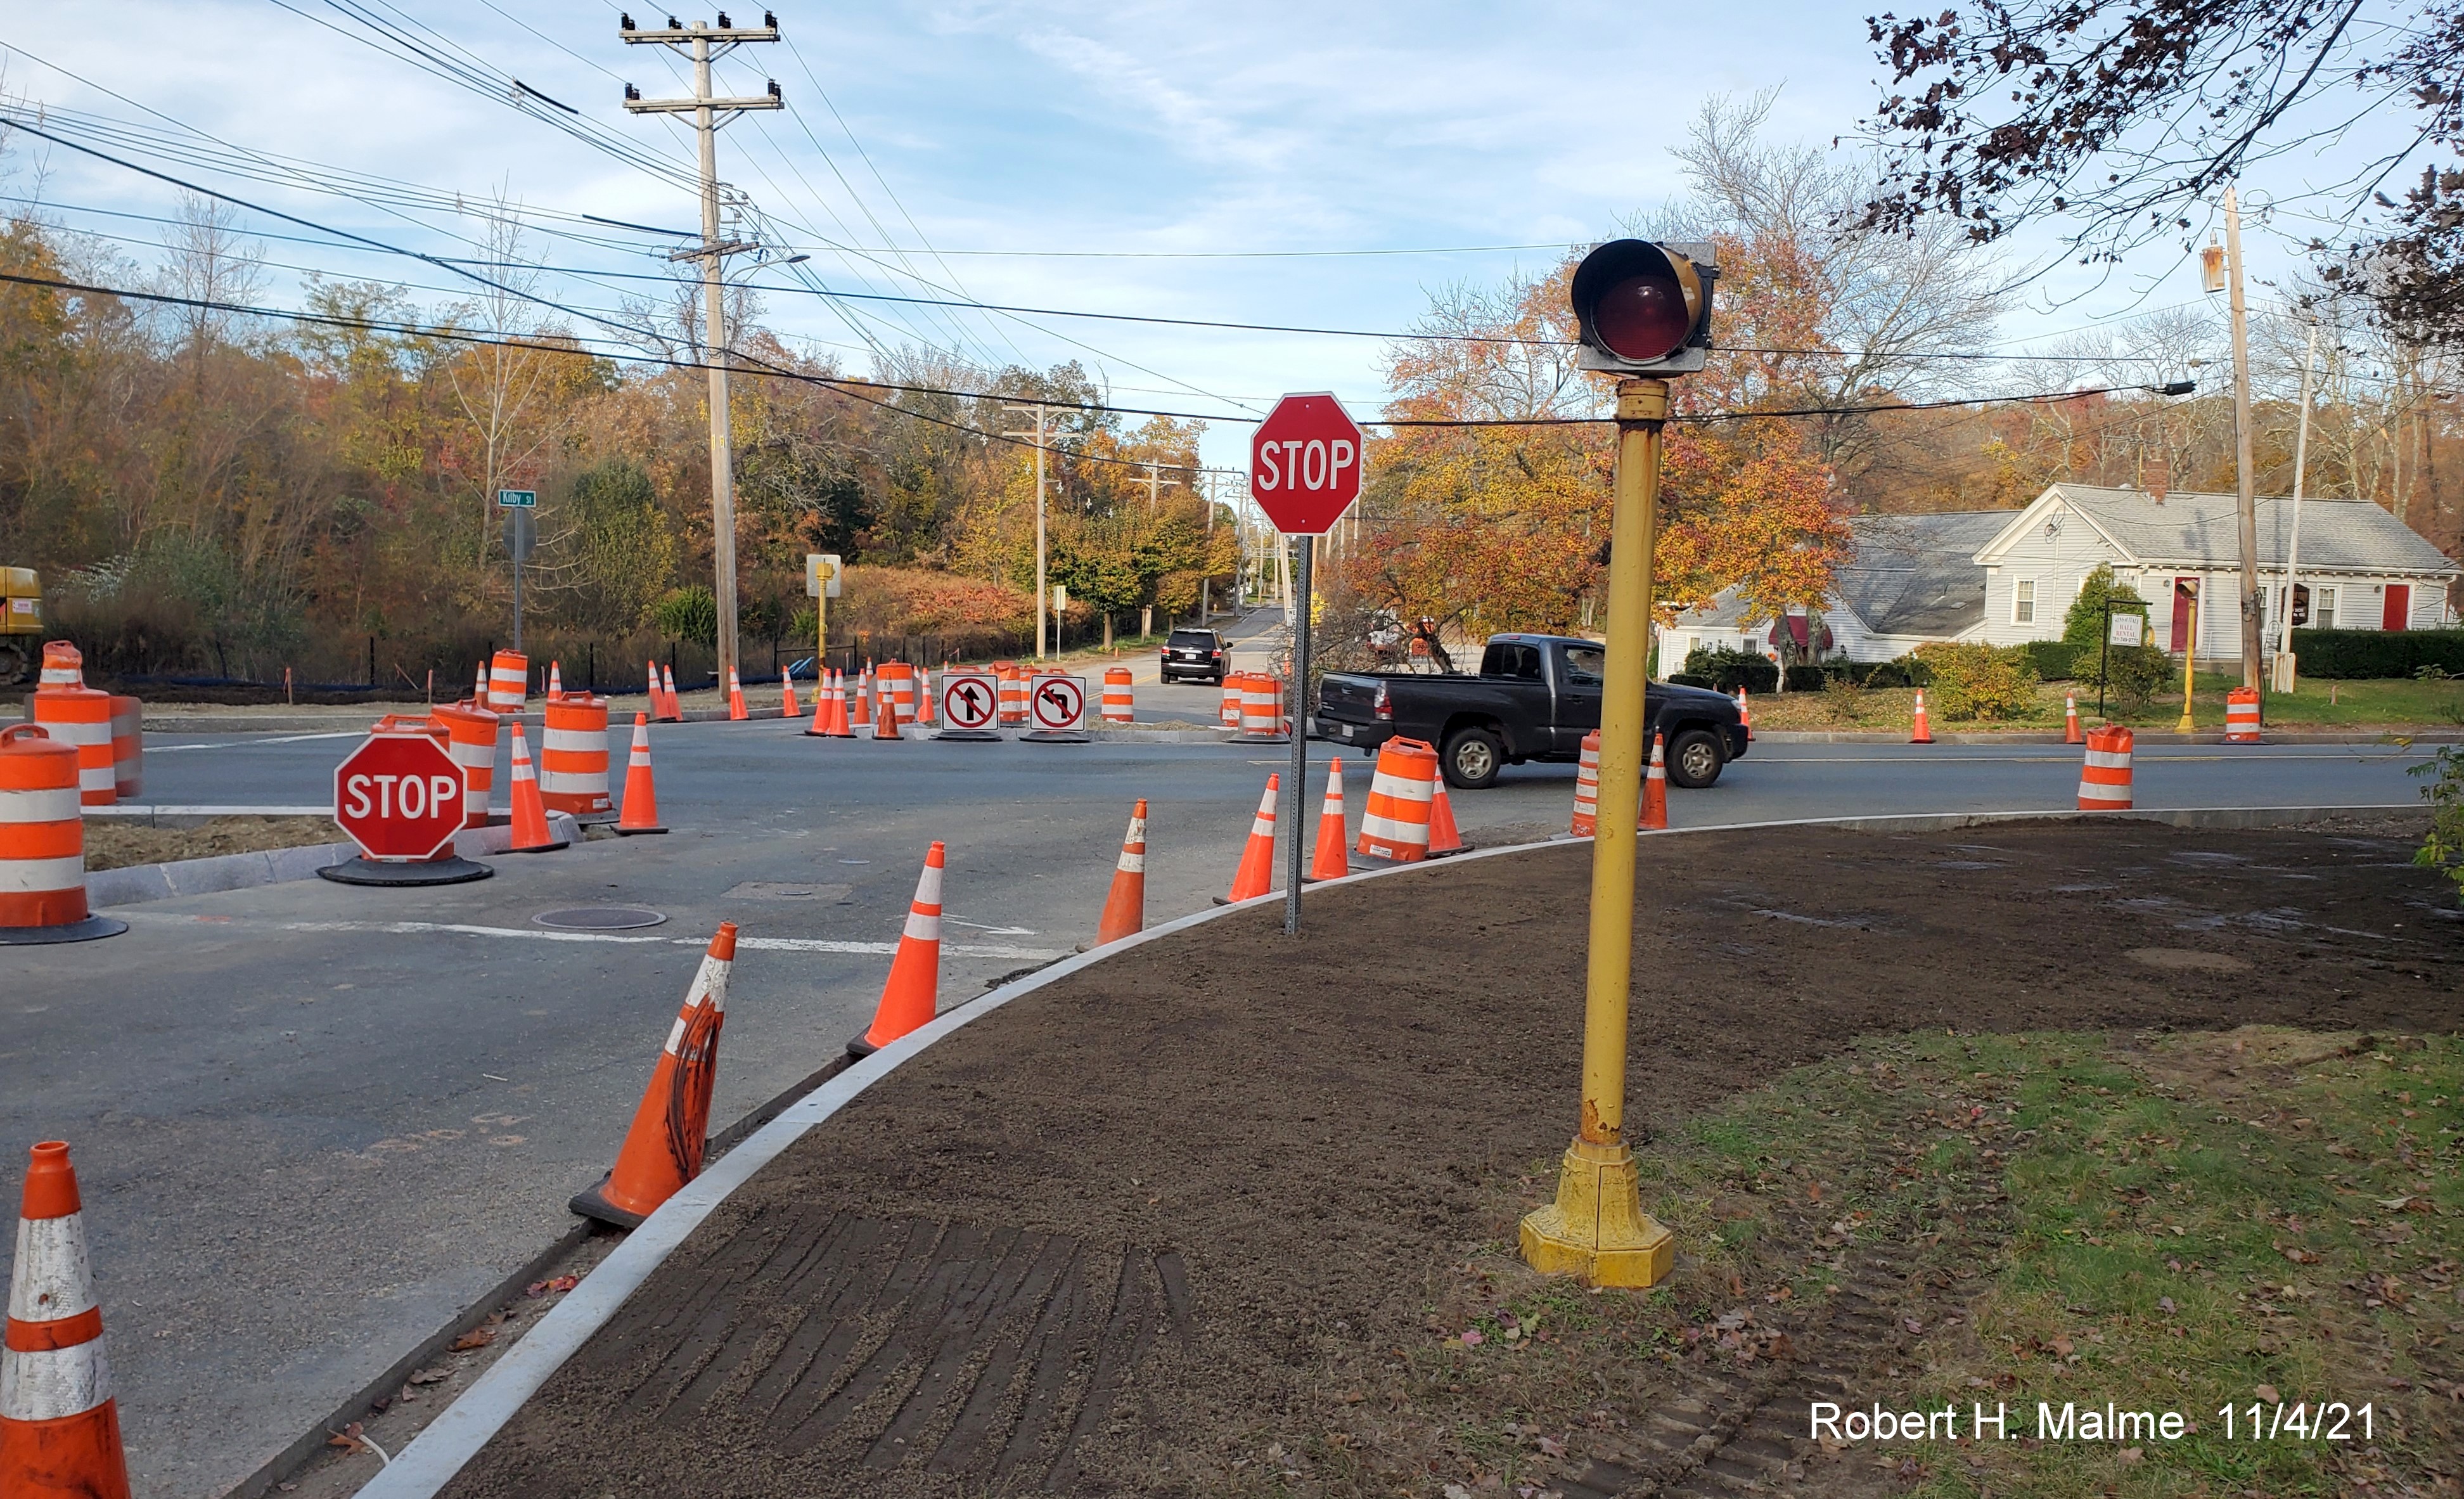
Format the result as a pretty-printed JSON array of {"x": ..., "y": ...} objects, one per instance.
[{"x": 21, "y": 623}]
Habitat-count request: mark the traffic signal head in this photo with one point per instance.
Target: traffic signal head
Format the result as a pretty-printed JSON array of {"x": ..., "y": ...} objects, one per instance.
[{"x": 1644, "y": 309}]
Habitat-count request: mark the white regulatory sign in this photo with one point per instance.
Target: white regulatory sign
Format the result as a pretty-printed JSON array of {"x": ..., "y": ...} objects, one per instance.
[
  {"x": 970, "y": 700},
  {"x": 1059, "y": 704}
]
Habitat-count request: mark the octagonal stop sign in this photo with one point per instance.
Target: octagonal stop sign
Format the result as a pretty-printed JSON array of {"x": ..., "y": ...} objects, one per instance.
[
  {"x": 399, "y": 795},
  {"x": 1304, "y": 464}
]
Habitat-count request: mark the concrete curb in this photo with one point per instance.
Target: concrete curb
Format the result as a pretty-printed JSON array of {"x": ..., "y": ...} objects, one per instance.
[
  {"x": 432, "y": 1458},
  {"x": 138, "y": 883},
  {"x": 2140, "y": 737}
]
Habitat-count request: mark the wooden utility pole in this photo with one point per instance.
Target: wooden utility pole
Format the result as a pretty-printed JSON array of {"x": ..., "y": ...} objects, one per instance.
[
  {"x": 1154, "y": 481},
  {"x": 1043, "y": 595},
  {"x": 710, "y": 112},
  {"x": 2251, "y": 603}
]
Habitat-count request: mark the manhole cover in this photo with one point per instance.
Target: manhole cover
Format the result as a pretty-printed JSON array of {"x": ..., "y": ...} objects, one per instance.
[{"x": 600, "y": 918}]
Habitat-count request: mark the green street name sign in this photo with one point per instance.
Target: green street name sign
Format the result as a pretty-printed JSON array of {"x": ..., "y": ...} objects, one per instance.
[{"x": 517, "y": 498}]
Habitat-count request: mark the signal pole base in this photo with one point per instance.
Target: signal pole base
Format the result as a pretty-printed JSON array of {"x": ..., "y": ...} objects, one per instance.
[{"x": 1596, "y": 1229}]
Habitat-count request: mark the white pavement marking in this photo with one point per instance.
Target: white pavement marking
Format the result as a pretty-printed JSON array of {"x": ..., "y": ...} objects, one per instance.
[
  {"x": 290, "y": 739},
  {"x": 771, "y": 944}
]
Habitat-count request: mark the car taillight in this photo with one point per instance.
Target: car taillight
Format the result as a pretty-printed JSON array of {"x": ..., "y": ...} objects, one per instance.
[{"x": 1384, "y": 706}]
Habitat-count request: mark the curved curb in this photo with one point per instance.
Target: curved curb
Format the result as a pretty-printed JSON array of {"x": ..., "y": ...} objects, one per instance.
[{"x": 432, "y": 1459}]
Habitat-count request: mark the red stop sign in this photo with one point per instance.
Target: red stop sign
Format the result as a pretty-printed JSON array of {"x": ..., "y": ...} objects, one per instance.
[
  {"x": 1304, "y": 464},
  {"x": 399, "y": 795}
]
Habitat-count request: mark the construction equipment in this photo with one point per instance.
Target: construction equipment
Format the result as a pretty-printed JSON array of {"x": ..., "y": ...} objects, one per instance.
[{"x": 21, "y": 623}]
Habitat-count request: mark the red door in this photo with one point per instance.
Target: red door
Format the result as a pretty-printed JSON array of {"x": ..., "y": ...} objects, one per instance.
[
  {"x": 2399, "y": 607},
  {"x": 2185, "y": 590}
]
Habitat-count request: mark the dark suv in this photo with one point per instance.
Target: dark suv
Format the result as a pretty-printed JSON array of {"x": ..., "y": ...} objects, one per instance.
[{"x": 1196, "y": 654}]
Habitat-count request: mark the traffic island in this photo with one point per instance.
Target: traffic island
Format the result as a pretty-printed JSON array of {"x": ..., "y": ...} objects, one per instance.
[{"x": 1235, "y": 1213}]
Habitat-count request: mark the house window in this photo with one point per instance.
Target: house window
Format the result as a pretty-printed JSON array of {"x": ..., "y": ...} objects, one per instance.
[
  {"x": 2023, "y": 602},
  {"x": 2322, "y": 612}
]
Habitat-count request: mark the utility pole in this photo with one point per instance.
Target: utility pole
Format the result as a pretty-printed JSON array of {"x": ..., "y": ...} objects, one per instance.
[
  {"x": 2248, "y": 507},
  {"x": 1154, "y": 481},
  {"x": 710, "y": 113},
  {"x": 1043, "y": 598},
  {"x": 2284, "y": 662}
]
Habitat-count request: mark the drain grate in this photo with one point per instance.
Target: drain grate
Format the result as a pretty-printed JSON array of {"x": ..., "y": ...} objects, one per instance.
[{"x": 600, "y": 918}]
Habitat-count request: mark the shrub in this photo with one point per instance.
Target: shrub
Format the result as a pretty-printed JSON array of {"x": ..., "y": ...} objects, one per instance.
[
  {"x": 1979, "y": 681},
  {"x": 2131, "y": 673},
  {"x": 1805, "y": 678},
  {"x": 2052, "y": 658},
  {"x": 1689, "y": 679},
  {"x": 2084, "y": 627},
  {"x": 1900, "y": 672},
  {"x": 689, "y": 613},
  {"x": 2443, "y": 850},
  {"x": 1727, "y": 668},
  {"x": 2377, "y": 653}
]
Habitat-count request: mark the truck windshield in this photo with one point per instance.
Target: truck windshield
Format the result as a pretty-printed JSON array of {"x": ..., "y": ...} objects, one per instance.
[{"x": 1586, "y": 666}]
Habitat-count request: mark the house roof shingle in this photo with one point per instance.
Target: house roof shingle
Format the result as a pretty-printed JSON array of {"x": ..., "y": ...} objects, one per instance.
[{"x": 2201, "y": 529}]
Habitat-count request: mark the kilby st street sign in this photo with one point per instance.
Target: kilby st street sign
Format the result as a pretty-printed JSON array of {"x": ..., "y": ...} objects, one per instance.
[
  {"x": 399, "y": 795},
  {"x": 1304, "y": 464}
]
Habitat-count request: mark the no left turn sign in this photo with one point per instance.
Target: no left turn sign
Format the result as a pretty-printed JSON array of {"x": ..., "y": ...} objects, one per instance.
[{"x": 1059, "y": 703}]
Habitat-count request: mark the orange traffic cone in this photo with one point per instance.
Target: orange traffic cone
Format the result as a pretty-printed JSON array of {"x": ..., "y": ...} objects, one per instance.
[
  {"x": 480, "y": 694},
  {"x": 820, "y": 726},
  {"x": 860, "y": 703},
  {"x": 885, "y": 726},
  {"x": 531, "y": 834},
  {"x": 663, "y": 1149},
  {"x": 1655, "y": 790},
  {"x": 736, "y": 713},
  {"x": 1923, "y": 731},
  {"x": 641, "y": 810},
  {"x": 60, "y": 1426},
  {"x": 1256, "y": 875},
  {"x": 838, "y": 729},
  {"x": 658, "y": 704},
  {"x": 1125, "y": 909},
  {"x": 1745, "y": 715},
  {"x": 1329, "y": 862},
  {"x": 787, "y": 696},
  {"x": 2071, "y": 732},
  {"x": 1443, "y": 836},
  {"x": 910, "y": 996}
]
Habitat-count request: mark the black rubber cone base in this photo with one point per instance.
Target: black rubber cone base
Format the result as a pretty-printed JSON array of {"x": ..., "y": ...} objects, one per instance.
[
  {"x": 427, "y": 871},
  {"x": 970, "y": 736},
  {"x": 550, "y": 847},
  {"x": 85, "y": 931},
  {"x": 597, "y": 1209},
  {"x": 623, "y": 831},
  {"x": 859, "y": 1049}
]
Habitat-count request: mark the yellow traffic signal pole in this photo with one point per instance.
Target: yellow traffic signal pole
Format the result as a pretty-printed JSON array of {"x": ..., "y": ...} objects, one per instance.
[
  {"x": 1596, "y": 1227},
  {"x": 2189, "y": 656}
]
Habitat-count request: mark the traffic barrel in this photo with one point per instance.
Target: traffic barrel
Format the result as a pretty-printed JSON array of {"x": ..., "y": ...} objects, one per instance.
[
  {"x": 1328, "y": 862},
  {"x": 63, "y": 667},
  {"x": 1655, "y": 790},
  {"x": 911, "y": 994},
  {"x": 509, "y": 681},
  {"x": 42, "y": 844},
  {"x": 80, "y": 718},
  {"x": 641, "y": 811},
  {"x": 2105, "y": 779},
  {"x": 1262, "y": 710},
  {"x": 573, "y": 755},
  {"x": 2071, "y": 732},
  {"x": 2241, "y": 715},
  {"x": 1120, "y": 698},
  {"x": 663, "y": 1149},
  {"x": 1013, "y": 692},
  {"x": 127, "y": 747},
  {"x": 1395, "y": 825},
  {"x": 1585, "y": 822},
  {"x": 787, "y": 695},
  {"x": 60, "y": 1423},
  {"x": 1228, "y": 715},
  {"x": 1125, "y": 906},
  {"x": 1256, "y": 875},
  {"x": 735, "y": 698},
  {"x": 531, "y": 834},
  {"x": 471, "y": 739},
  {"x": 1921, "y": 732}
]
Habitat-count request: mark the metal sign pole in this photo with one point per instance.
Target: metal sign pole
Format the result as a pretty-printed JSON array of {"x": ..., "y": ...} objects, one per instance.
[
  {"x": 2104, "y": 654},
  {"x": 1296, "y": 784}
]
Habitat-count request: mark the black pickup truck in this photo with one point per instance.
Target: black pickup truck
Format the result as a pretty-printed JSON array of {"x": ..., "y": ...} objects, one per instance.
[{"x": 1534, "y": 698}]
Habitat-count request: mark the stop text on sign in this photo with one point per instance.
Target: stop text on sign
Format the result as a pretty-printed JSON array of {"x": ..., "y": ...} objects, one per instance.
[
  {"x": 1304, "y": 463},
  {"x": 1313, "y": 464},
  {"x": 399, "y": 795}
]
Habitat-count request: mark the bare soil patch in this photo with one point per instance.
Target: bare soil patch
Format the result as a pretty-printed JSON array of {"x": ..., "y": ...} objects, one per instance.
[
  {"x": 113, "y": 844},
  {"x": 1196, "y": 1220}
]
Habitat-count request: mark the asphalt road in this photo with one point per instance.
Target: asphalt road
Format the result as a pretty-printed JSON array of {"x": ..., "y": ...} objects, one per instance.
[{"x": 314, "y": 1120}]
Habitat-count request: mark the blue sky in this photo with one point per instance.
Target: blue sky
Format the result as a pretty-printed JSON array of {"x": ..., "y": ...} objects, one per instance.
[{"x": 1154, "y": 129}]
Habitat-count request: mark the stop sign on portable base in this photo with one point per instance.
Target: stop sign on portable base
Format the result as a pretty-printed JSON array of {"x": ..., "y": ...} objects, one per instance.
[{"x": 399, "y": 797}]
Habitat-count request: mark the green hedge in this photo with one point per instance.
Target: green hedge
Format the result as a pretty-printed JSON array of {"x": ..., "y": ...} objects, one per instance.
[
  {"x": 2350, "y": 653},
  {"x": 2052, "y": 658}
]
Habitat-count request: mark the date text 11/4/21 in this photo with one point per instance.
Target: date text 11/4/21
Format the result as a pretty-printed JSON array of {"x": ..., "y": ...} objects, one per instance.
[{"x": 2330, "y": 1420}]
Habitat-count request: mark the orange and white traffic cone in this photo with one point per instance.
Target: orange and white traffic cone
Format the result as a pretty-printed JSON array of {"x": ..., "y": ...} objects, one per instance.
[
  {"x": 2071, "y": 733},
  {"x": 555, "y": 680},
  {"x": 860, "y": 703},
  {"x": 787, "y": 695},
  {"x": 1922, "y": 732},
  {"x": 641, "y": 810},
  {"x": 1329, "y": 862},
  {"x": 531, "y": 834},
  {"x": 480, "y": 694},
  {"x": 1125, "y": 909},
  {"x": 1256, "y": 875},
  {"x": 1655, "y": 790},
  {"x": 736, "y": 713},
  {"x": 1745, "y": 715},
  {"x": 819, "y": 727},
  {"x": 839, "y": 726},
  {"x": 59, "y": 1424},
  {"x": 910, "y": 996},
  {"x": 663, "y": 1149},
  {"x": 1445, "y": 837},
  {"x": 885, "y": 725}
]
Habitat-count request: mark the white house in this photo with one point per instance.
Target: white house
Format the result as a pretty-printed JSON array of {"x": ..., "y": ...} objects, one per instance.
[{"x": 2004, "y": 577}]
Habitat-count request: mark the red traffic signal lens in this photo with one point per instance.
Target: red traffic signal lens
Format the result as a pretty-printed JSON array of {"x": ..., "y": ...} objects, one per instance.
[{"x": 1643, "y": 316}]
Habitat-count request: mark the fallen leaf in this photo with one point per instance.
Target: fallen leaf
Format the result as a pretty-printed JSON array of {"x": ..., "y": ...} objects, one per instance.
[
  {"x": 546, "y": 1287},
  {"x": 347, "y": 1439},
  {"x": 1813, "y": 1191},
  {"x": 1912, "y": 1323},
  {"x": 477, "y": 1338},
  {"x": 1473, "y": 1337},
  {"x": 2131, "y": 1455},
  {"x": 2165, "y": 1304},
  {"x": 1458, "y": 1492},
  {"x": 1736, "y": 1285},
  {"x": 2300, "y": 1256},
  {"x": 2394, "y": 1204},
  {"x": 2063, "y": 1345},
  {"x": 1550, "y": 1446},
  {"x": 430, "y": 1377},
  {"x": 2267, "y": 1394}
]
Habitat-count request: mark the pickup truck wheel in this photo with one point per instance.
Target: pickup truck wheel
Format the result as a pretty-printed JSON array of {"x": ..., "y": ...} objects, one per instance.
[
  {"x": 1695, "y": 758},
  {"x": 1471, "y": 758}
]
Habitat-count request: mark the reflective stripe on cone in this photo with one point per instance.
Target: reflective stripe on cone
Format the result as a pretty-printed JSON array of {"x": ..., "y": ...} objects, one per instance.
[{"x": 59, "y": 1426}]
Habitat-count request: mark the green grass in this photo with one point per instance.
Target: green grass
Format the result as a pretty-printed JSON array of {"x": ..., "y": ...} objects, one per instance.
[{"x": 2397, "y": 703}]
